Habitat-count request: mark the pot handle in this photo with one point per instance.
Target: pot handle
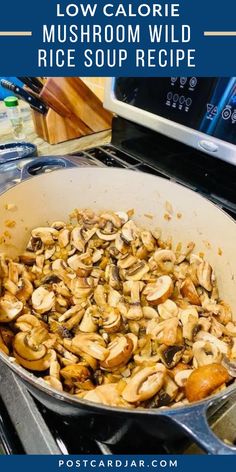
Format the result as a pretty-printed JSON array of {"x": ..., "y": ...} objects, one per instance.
[{"x": 194, "y": 422}]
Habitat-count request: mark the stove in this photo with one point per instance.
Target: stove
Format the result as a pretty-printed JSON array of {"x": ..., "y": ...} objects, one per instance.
[{"x": 27, "y": 427}]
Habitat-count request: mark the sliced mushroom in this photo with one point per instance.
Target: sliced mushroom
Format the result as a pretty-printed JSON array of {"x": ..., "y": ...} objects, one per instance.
[
  {"x": 137, "y": 271},
  {"x": 10, "y": 308},
  {"x": 205, "y": 353},
  {"x": 135, "y": 310},
  {"x": 107, "y": 395},
  {"x": 159, "y": 291},
  {"x": 189, "y": 320},
  {"x": 114, "y": 298},
  {"x": 87, "y": 324},
  {"x": 171, "y": 355},
  {"x": 168, "y": 309},
  {"x": 25, "y": 289},
  {"x": 129, "y": 232},
  {"x": 106, "y": 236},
  {"x": 149, "y": 312},
  {"x": 89, "y": 343},
  {"x": 78, "y": 374},
  {"x": 182, "y": 376},
  {"x": 30, "y": 352},
  {"x": 28, "y": 258},
  {"x": 113, "y": 218},
  {"x": 27, "y": 322},
  {"x": 148, "y": 240},
  {"x": 204, "y": 273},
  {"x": 165, "y": 259},
  {"x": 230, "y": 329},
  {"x": 77, "y": 239},
  {"x": 120, "y": 351},
  {"x": 145, "y": 384},
  {"x": 222, "y": 346},
  {"x": 64, "y": 238},
  {"x": 126, "y": 261},
  {"x": 43, "y": 300},
  {"x": 46, "y": 234},
  {"x": 188, "y": 290},
  {"x": 112, "y": 321},
  {"x": 165, "y": 332},
  {"x": 203, "y": 381}
]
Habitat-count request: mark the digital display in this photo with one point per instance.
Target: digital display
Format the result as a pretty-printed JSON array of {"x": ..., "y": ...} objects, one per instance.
[{"x": 204, "y": 104}]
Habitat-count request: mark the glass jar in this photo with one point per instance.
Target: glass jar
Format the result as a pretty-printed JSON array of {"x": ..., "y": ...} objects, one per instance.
[{"x": 15, "y": 117}]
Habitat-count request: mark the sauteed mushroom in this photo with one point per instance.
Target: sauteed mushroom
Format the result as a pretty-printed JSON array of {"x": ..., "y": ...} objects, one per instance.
[{"x": 110, "y": 312}]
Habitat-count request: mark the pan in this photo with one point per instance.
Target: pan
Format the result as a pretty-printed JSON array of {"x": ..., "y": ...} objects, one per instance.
[{"x": 51, "y": 197}]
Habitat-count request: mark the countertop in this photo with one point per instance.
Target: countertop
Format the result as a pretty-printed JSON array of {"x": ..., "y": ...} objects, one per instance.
[{"x": 96, "y": 139}]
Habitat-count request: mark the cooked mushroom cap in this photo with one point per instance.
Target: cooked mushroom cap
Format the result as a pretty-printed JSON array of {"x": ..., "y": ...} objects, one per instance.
[
  {"x": 36, "y": 359},
  {"x": 204, "y": 380},
  {"x": 120, "y": 351},
  {"x": 10, "y": 308},
  {"x": 42, "y": 300},
  {"x": 145, "y": 384},
  {"x": 160, "y": 291}
]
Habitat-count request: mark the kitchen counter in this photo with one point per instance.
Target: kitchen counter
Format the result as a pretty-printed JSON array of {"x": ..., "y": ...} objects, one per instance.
[{"x": 96, "y": 139}]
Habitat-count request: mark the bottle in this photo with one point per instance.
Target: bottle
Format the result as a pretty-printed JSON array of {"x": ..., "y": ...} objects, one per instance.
[{"x": 15, "y": 117}]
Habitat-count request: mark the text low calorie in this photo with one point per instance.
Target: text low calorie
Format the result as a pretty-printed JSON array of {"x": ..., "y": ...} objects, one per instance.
[{"x": 122, "y": 10}]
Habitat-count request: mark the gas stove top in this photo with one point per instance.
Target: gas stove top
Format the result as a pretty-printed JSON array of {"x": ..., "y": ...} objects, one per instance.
[{"x": 25, "y": 425}]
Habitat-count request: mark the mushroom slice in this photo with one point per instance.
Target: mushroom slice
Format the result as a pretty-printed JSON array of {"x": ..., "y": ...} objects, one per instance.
[
  {"x": 165, "y": 332},
  {"x": 76, "y": 373},
  {"x": 159, "y": 291},
  {"x": 64, "y": 238},
  {"x": 148, "y": 240},
  {"x": 76, "y": 239},
  {"x": 135, "y": 311},
  {"x": 26, "y": 323},
  {"x": 188, "y": 290},
  {"x": 43, "y": 300},
  {"x": 32, "y": 356},
  {"x": 168, "y": 309},
  {"x": 203, "y": 381},
  {"x": 137, "y": 271},
  {"x": 25, "y": 289},
  {"x": 171, "y": 355},
  {"x": 106, "y": 236},
  {"x": 99, "y": 296},
  {"x": 126, "y": 261},
  {"x": 49, "y": 252},
  {"x": 120, "y": 351},
  {"x": 113, "y": 218},
  {"x": 87, "y": 324},
  {"x": 144, "y": 384},
  {"x": 230, "y": 329},
  {"x": 205, "y": 353},
  {"x": 46, "y": 234},
  {"x": 91, "y": 344},
  {"x": 129, "y": 232},
  {"x": 182, "y": 376},
  {"x": 149, "y": 312},
  {"x": 222, "y": 346},
  {"x": 112, "y": 321},
  {"x": 204, "y": 273},
  {"x": 189, "y": 320},
  {"x": 165, "y": 258},
  {"x": 114, "y": 297},
  {"x": 107, "y": 395},
  {"x": 10, "y": 308},
  {"x": 123, "y": 216}
]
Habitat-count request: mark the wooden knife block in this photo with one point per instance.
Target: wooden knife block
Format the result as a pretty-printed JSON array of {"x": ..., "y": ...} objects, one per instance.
[{"x": 74, "y": 111}]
